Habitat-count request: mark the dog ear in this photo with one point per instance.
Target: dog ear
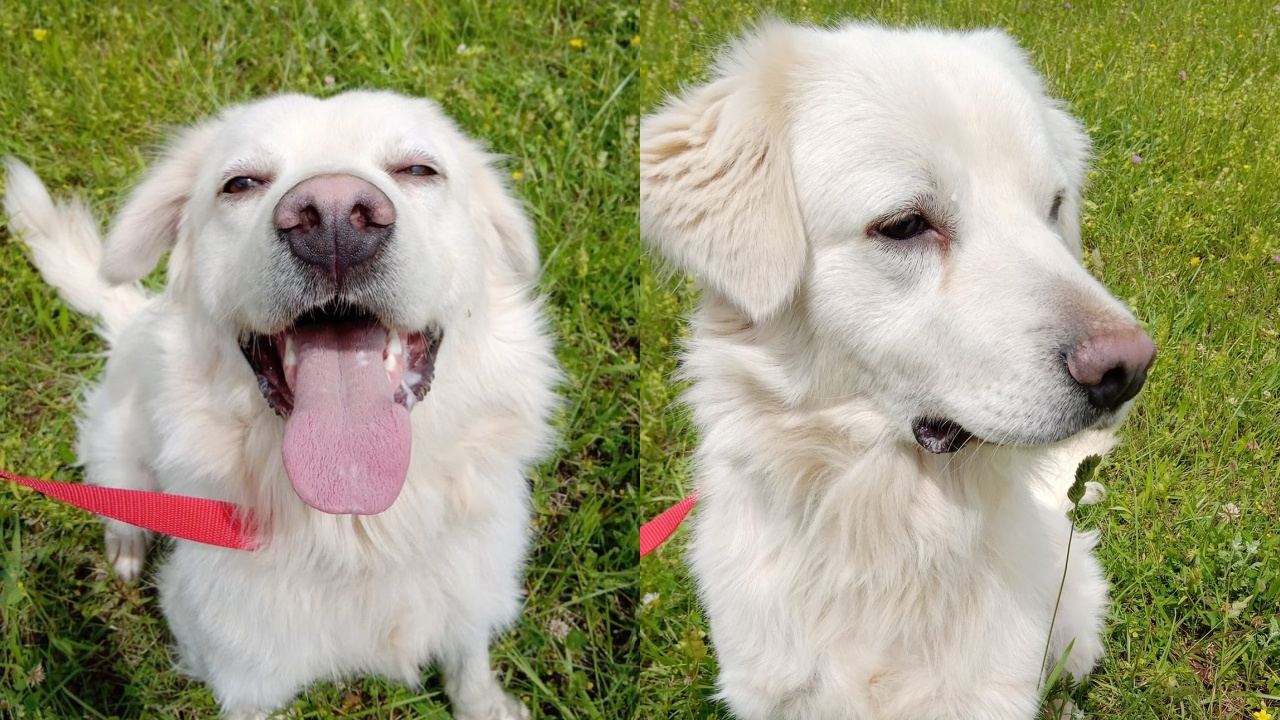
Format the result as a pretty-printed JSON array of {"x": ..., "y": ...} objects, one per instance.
[
  {"x": 505, "y": 230},
  {"x": 152, "y": 216},
  {"x": 716, "y": 192}
]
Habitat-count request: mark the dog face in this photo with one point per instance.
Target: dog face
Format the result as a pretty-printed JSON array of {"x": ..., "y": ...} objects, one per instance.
[
  {"x": 401, "y": 173},
  {"x": 908, "y": 202},
  {"x": 336, "y": 241}
]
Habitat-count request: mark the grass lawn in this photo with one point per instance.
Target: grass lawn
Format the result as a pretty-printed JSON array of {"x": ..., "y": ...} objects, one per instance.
[
  {"x": 1182, "y": 220},
  {"x": 88, "y": 91}
]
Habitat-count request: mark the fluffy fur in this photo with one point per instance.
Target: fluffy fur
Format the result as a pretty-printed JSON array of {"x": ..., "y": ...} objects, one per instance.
[
  {"x": 846, "y": 572},
  {"x": 178, "y": 409}
]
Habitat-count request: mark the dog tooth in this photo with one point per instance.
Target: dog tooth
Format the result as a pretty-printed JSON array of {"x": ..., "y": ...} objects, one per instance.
[
  {"x": 290, "y": 352},
  {"x": 393, "y": 353}
]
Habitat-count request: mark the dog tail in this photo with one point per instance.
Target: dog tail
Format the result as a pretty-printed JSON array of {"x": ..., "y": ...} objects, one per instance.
[{"x": 64, "y": 244}]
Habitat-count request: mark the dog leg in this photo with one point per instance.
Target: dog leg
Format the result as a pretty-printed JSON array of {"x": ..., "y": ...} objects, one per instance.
[
  {"x": 1082, "y": 609},
  {"x": 126, "y": 548},
  {"x": 111, "y": 441},
  {"x": 253, "y": 693},
  {"x": 474, "y": 691}
]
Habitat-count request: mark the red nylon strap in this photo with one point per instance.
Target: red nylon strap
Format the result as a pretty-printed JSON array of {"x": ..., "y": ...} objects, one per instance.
[
  {"x": 656, "y": 531},
  {"x": 199, "y": 519}
]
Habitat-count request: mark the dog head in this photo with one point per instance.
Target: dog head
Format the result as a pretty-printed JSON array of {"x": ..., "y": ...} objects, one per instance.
[
  {"x": 337, "y": 241},
  {"x": 908, "y": 201}
]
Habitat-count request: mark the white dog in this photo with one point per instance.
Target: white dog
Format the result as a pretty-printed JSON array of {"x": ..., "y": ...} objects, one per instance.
[
  {"x": 347, "y": 345},
  {"x": 897, "y": 362}
]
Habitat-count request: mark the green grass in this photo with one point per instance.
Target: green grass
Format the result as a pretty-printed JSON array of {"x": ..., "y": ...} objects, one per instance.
[
  {"x": 1189, "y": 237},
  {"x": 87, "y": 100}
]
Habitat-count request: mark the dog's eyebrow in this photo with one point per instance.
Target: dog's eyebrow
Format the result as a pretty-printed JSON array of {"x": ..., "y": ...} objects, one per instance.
[
  {"x": 254, "y": 165},
  {"x": 415, "y": 153},
  {"x": 927, "y": 202}
]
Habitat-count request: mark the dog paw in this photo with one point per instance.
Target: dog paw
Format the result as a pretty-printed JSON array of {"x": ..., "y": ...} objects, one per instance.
[
  {"x": 514, "y": 710},
  {"x": 126, "y": 549},
  {"x": 504, "y": 707},
  {"x": 1094, "y": 492},
  {"x": 244, "y": 715},
  {"x": 1063, "y": 710}
]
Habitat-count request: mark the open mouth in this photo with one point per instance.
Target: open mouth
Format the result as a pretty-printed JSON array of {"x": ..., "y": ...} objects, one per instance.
[
  {"x": 344, "y": 383},
  {"x": 939, "y": 435},
  {"x": 407, "y": 357}
]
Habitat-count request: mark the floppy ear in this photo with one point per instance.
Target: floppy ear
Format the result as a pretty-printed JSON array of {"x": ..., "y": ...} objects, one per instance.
[
  {"x": 149, "y": 223},
  {"x": 505, "y": 231},
  {"x": 716, "y": 192},
  {"x": 1067, "y": 134}
]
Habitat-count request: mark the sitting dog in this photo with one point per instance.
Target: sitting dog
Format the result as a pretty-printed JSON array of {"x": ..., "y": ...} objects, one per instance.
[
  {"x": 348, "y": 346},
  {"x": 897, "y": 362}
]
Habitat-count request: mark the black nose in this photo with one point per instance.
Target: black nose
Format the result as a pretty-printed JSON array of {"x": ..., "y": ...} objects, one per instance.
[
  {"x": 1112, "y": 366},
  {"x": 334, "y": 221}
]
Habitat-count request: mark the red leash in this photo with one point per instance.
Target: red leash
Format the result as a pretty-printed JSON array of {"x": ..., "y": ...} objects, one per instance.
[
  {"x": 198, "y": 519},
  {"x": 214, "y": 522},
  {"x": 656, "y": 531}
]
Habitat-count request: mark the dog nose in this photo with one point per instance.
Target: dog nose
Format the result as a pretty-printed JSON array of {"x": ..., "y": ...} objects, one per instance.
[
  {"x": 1112, "y": 366},
  {"x": 334, "y": 221}
]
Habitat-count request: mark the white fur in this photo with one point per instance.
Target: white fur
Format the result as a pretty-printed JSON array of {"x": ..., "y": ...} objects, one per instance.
[
  {"x": 846, "y": 572},
  {"x": 433, "y": 578}
]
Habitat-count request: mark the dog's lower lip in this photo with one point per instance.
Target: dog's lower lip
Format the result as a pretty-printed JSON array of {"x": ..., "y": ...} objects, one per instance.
[{"x": 940, "y": 435}]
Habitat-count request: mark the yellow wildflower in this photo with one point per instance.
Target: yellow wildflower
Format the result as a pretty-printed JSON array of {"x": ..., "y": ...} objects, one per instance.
[
  {"x": 1195, "y": 261},
  {"x": 39, "y": 34},
  {"x": 635, "y": 40},
  {"x": 517, "y": 176},
  {"x": 1262, "y": 714},
  {"x": 577, "y": 43}
]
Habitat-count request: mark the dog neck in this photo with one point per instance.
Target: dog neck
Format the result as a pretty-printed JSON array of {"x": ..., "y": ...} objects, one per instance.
[{"x": 827, "y": 464}]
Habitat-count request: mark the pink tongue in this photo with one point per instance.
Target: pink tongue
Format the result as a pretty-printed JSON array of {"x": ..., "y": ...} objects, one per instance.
[{"x": 346, "y": 444}]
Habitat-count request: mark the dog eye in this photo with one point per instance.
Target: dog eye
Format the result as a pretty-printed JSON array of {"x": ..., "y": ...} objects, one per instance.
[
  {"x": 1057, "y": 206},
  {"x": 240, "y": 184},
  {"x": 905, "y": 227},
  {"x": 418, "y": 171}
]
